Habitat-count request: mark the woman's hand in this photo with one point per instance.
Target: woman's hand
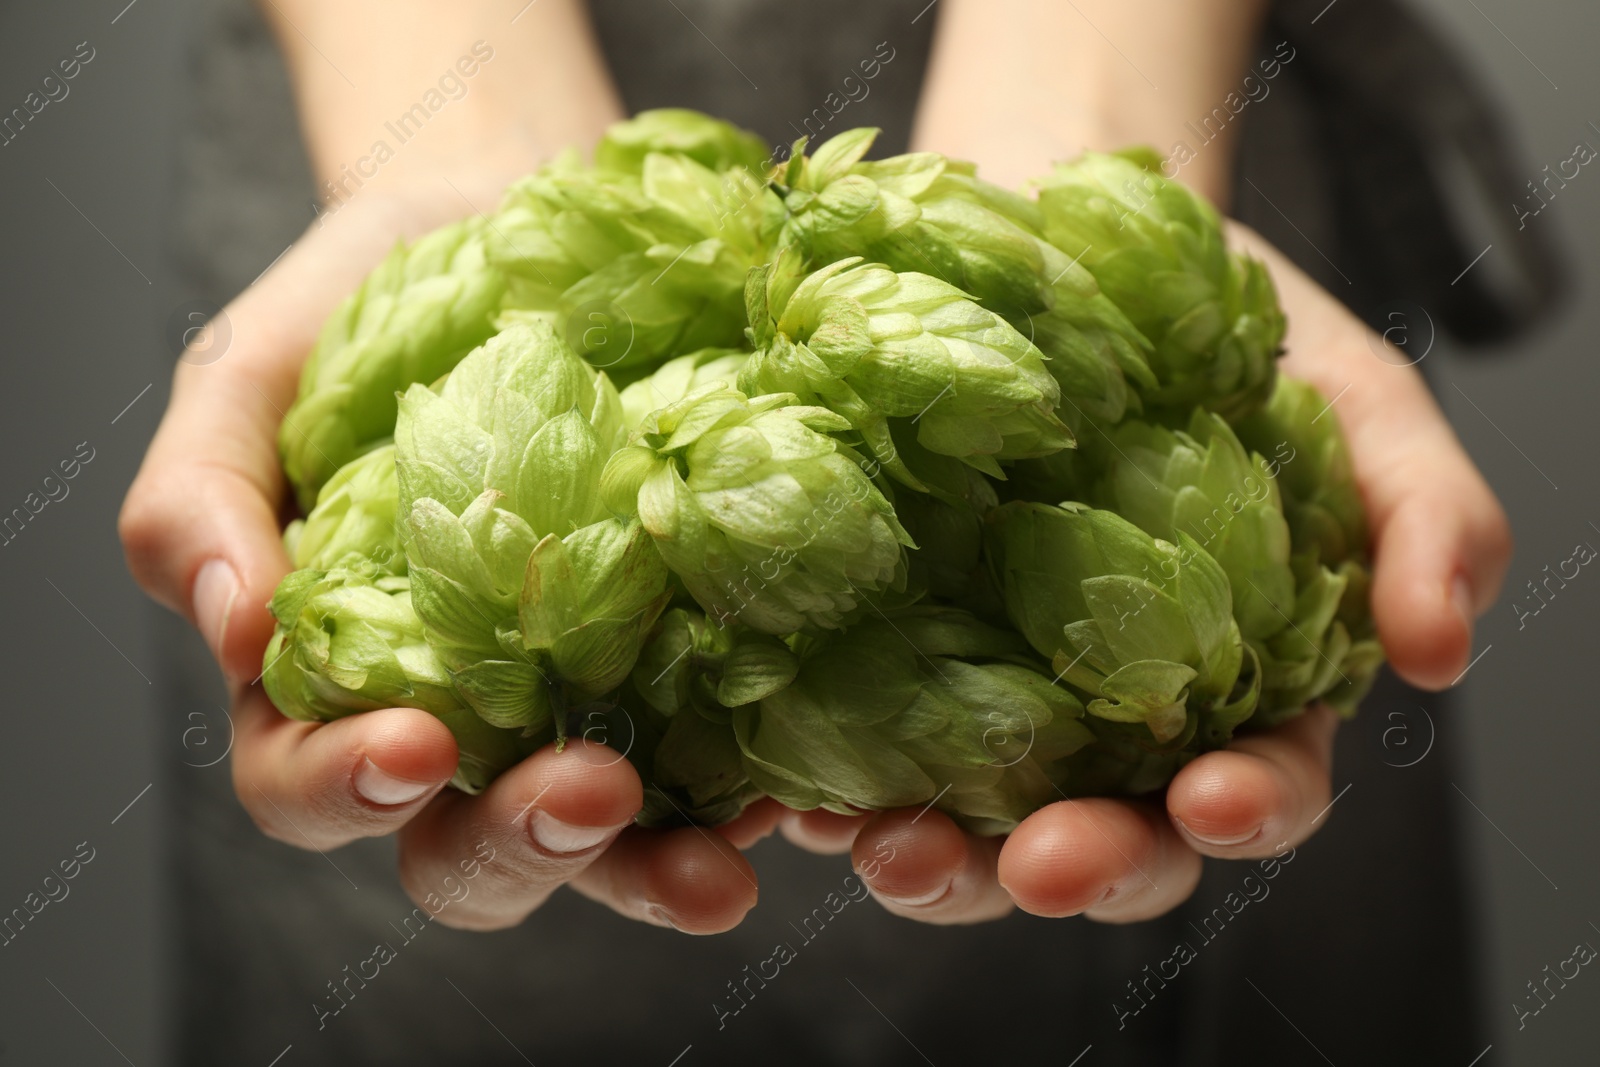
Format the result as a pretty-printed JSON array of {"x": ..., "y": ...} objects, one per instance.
[
  {"x": 201, "y": 522},
  {"x": 1440, "y": 545},
  {"x": 201, "y": 528}
]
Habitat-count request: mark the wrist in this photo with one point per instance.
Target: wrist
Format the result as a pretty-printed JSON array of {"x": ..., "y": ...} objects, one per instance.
[
  {"x": 475, "y": 93},
  {"x": 1020, "y": 93}
]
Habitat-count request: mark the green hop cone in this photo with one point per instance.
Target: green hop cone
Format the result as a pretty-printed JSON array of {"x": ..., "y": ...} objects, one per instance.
[
  {"x": 1206, "y": 484},
  {"x": 1328, "y": 529},
  {"x": 1301, "y": 434},
  {"x": 534, "y": 598},
  {"x": 1143, "y": 626},
  {"x": 874, "y": 345},
  {"x": 931, "y": 707},
  {"x": 1158, "y": 251},
  {"x": 346, "y": 642},
  {"x": 634, "y": 269},
  {"x": 917, "y": 212},
  {"x": 412, "y": 319},
  {"x": 347, "y": 639},
  {"x": 763, "y": 517},
  {"x": 678, "y": 131},
  {"x": 924, "y": 212}
]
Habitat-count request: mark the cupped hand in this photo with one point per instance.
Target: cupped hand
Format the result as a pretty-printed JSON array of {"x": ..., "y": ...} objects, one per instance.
[
  {"x": 201, "y": 530},
  {"x": 1440, "y": 544}
]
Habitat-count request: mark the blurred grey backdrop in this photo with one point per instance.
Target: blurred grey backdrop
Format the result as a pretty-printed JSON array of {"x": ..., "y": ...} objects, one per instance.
[{"x": 88, "y": 288}]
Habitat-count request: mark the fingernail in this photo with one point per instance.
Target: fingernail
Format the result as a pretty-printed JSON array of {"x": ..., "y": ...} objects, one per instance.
[
  {"x": 561, "y": 838},
  {"x": 216, "y": 587},
  {"x": 380, "y": 787},
  {"x": 1461, "y": 599},
  {"x": 915, "y": 901},
  {"x": 661, "y": 915},
  {"x": 1218, "y": 841}
]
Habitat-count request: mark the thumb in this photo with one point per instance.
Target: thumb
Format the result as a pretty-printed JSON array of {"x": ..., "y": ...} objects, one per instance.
[{"x": 200, "y": 522}]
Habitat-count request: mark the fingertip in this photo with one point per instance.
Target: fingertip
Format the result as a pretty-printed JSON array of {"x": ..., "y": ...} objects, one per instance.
[
  {"x": 696, "y": 882},
  {"x": 1223, "y": 800},
  {"x": 824, "y": 832},
  {"x": 755, "y": 823},
  {"x": 1425, "y": 624},
  {"x": 909, "y": 858},
  {"x": 586, "y": 784},
  {"x": 1067, "y": 857},
  {"x": 1264, "y": 789},
  {"x": 409, "y": 742}
]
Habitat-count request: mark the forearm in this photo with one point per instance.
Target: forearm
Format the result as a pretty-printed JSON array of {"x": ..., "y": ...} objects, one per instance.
[
  {"x": 1019, "y": 84},
  {"x": 421, "y": 90}
]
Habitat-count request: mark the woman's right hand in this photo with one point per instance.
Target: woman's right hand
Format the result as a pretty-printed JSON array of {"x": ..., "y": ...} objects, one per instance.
[{"x": 201, "y": 530}]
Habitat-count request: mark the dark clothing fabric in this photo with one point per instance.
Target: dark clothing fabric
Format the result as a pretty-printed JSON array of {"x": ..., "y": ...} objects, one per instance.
[{"x": 1358, "y": 947}]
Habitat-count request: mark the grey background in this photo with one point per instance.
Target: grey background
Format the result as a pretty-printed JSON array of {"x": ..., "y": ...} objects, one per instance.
[{"x": 88, "y": 284}]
